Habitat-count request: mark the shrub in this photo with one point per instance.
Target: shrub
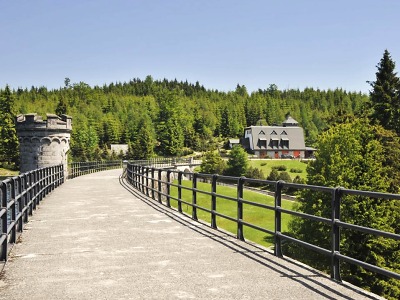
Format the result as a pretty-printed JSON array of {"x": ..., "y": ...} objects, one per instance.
[
  {"x": 285, "y": 177},
  {"x": 279, "y": 168},
  {"x": 274, "y": 175},
  {"x": 186, "y": 151},
  {"x": 263, "y": 164},
  {"x": 294, "y": 170},
  {"x": 254, "y": 173}
]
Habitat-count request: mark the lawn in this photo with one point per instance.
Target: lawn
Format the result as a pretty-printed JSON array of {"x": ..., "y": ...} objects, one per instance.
[
  {"x": 4, "y": 173},
  {"x": 258, "y": 216},
  {"x": 266, "y": 166}
]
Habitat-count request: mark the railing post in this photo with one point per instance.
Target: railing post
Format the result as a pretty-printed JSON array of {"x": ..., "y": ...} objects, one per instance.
[
  {"x": 13, "y": 211},
  {"x": 25, "y": 196},
  {"x": 168, "y": 188},
  {"x": 335, "y": 262},
  {"x": 180, "y": 191},
  {"x": 142, "y": 179},
  {"x": 4, "y": 222},
  {"x": 194, "y": 197},
  {"x": 152, "y": 183},
  {"x": 240, "y": 184},
  {"x": 214, "y": 201},
  {"x": 278, "y": 218},
  {"x": 159, "y": 185},
  {"x": 31, "y": 192},
  {"x": 147, "y": 181},
  {"x": 19, "y": 204}
]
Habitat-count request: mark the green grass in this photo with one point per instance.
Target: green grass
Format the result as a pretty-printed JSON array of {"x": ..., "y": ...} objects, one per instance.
[
  {"x": 261, "y": 217},
  {"x": 266, "y": 166},
  {"x": 7, "y": 172}
]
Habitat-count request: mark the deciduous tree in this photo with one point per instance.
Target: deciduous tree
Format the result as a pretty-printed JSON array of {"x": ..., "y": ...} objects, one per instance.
[{"x": 352, "y": 155}]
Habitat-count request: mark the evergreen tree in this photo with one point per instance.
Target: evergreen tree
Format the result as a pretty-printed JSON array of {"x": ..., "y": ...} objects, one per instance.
[
  {"x": 143, "y": 146},
  {"x": 212, "y": 163},
  {"x": 385, "y": 94},
  {"x": 61, "y": 107},
  {"x": 9, "y": 146},
  {"x": 352, "y": 155},
  {"x": 171, "y": 137},
  {"x": 237, "y": 162}
]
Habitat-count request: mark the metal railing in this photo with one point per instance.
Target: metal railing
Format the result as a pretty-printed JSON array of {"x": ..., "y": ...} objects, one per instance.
[
  {"x": 20, "y": 196},
  {"x": 159, "y": 162},
  {"x": 76, "y": 169},
  {"x": 156, "y": 183}
]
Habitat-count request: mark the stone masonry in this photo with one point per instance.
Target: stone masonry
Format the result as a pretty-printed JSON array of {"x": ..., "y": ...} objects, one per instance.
[{"x": 43, "y": 143}]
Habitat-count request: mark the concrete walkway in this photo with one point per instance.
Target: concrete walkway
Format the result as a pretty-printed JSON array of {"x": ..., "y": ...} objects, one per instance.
[{"x": 92, "y": 238}]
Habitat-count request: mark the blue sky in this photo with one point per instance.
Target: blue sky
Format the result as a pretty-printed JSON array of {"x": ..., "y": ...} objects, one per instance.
[{"x": 220, "y": 43}]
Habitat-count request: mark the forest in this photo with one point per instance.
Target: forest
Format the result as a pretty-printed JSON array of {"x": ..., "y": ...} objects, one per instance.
[{"x": 171, "y": 118}]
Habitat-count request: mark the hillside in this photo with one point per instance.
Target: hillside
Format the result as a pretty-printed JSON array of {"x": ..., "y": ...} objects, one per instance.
[{"x": 173, "y": 118}]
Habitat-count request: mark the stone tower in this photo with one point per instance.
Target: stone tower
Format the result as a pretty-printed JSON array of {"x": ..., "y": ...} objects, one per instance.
[{"x": 43, "y": 143}]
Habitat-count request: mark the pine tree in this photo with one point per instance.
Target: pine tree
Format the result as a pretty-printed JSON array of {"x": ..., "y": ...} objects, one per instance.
[
  {"x": 237, "y": 162},
  {"x": 385, "y": 94},
  {"x": 9, "y": 146},
  {"x": 143, "y": 146},
  {"x": 61, "y": 107}
]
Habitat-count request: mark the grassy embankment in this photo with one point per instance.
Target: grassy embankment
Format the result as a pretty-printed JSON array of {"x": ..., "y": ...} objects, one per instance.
[
  {"x": 266, "y": 166},
  {"x": 258, "y": 216}
]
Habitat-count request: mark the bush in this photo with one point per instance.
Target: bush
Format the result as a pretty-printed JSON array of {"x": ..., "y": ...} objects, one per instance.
[
  {"x": 254, "y": 173},
  {"x": 299, "y": 180},
  {"x": 294, "y": 170},
  {"x": 186, "y": 151},
  {"x": 285, "y": 177},
  {"x": 274, "y": 175},
  {"x": 263, "y": 164},
  {"x": 279, "y": 168}
]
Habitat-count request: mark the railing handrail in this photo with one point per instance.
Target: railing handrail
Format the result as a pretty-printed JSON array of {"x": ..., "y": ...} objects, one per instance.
[
  {"x": 76, "y": 169},
  {"x": 148, "y": 180},
  {"x": 20, "y": 195}
]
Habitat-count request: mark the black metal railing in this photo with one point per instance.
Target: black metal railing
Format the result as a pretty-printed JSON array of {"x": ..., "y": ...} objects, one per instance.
[
  {"x": 76, "y": 169},
  {"x": 156, "y": 183},
  {"x": 20, "y": 196},
  {"x": 160, "y": 162}
]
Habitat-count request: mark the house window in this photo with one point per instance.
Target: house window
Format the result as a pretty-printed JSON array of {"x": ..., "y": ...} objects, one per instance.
[
  {"x": 262, "y": 142},
  {"x": 274, "y": 143},
  {"x": 285, "y": 143}
]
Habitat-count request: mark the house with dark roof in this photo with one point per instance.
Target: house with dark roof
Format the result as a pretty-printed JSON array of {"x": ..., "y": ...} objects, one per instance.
[{"x": 277, "y": 141}]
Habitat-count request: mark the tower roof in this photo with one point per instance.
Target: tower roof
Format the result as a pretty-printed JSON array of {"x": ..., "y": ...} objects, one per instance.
[{"x": 290, "y": 122}]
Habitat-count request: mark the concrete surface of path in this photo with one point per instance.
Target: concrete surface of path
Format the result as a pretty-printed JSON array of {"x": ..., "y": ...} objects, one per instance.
[{"x": 93, "y": 238}]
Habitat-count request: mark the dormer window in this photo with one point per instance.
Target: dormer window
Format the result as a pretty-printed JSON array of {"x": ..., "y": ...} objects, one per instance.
[
  {"x": 261, "y": 132},
  {"x": 273, "y": 132},
  {"x": 284, "y": 133},
  {"x": 284, "y": 142}
]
